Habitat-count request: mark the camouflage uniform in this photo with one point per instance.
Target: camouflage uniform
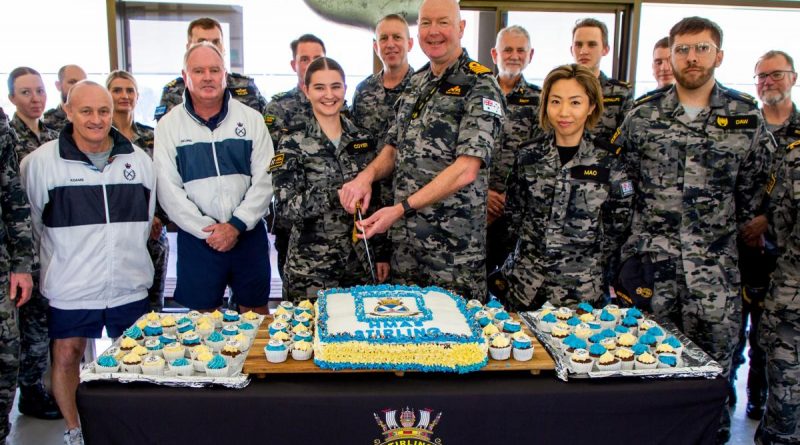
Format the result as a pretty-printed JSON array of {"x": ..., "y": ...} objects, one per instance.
[
  {"x": 697, "y": 180},
  {"x": 617, "y": 101},
  {"x": 780, "y": 322},
  {"x": 34, "y": 338},
  {"x": 287, "y": 110},
  {"x": 55, "y": 118},
  {"x": 158, "y": 248},
  {"x": 307, "y": 170},
  {"x": 445, "y": 243},
  {"x": 16, "y": 255},
  {"x": 568, "y": 217},
  {"x": 242, "y": 88},
  {"x": 521, "y": 124}
]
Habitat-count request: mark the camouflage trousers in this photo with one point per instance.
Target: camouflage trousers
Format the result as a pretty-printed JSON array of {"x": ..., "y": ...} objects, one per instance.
[
  {"x": 303, "y": 279},
  {"x": 424, "y": 266},
  {"x": 159, "y": 254},
  {"x": 705, "y": 307},
  {"x": 780, "y": 337},
  {"x": 9, "y": 356},
  {"x": 34, "y": 339}
]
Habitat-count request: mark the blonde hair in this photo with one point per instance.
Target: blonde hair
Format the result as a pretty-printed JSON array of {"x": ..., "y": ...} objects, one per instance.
[
  {"x": 586, "y": 79},
  {"x": 121, "y": 74}
]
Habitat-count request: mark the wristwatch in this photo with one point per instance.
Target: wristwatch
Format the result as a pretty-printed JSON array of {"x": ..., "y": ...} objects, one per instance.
[{"x": 408, "y": 211}]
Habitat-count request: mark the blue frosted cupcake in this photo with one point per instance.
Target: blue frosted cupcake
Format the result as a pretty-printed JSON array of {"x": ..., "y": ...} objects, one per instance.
[
  {"x": 154, "y": 346},
  {"x": 522, "y": 348},
  {"x": 215, "y": 341},
  {"x": 230, "y": 316},
  {"x": 511, "y": 326},
  {"x": 217, "y": 367},
  {"x": 189, "y": 340},
  {"x": 608, "y": 333},
  {"x": 574, "y": 321},
  {"x": 134, "y": 333},
  {"x": 656, "y": 332},
  {"x": 181, "y": 366},
  {"x": 619, "y": 330},
  {"x": 229, "y": 331},
  {"x": 167, "y": 339},
  {"x": 639, "y": 349},
  {"x": 675, "y": 343},
  {"x": 276, "y": 351},
  {"x": 667, "y": 361},
  {"x": 277, "y": 326},
  {"x": 185, "y": 325},
  {"x": 303, "y": 336},
  {"x": 547, "y": 322},
  {"x": 106, "y": 363},
  {"x": 584, "y": 308},
  {"x": 648, "y": 340},
  {"x": 596, "y": 350},
  {"x": 631, "y": 324},
  {"x": 635, "y": 313},
  {"x": 247, "y": 329},
  {"x": 153, "y": 329},
  {"x": 607, "y": 320},
  {"x": 483, "y": 318},
  {"x": 494, "y": 304}
]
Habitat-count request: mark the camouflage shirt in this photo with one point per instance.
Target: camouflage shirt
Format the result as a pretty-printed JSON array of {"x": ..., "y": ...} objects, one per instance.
[
  {"x": 16, "y": 243},
  {"x": 521, "y": 124},
  {"x": 143, "y": 137},
  {"x": 697, "y": 180},
  {"x": 55, "y": 118},
  {"x": 784, "y": 211},
  {"x": 617, "y": 101},
  {"x": 286, "y": 111},
  {"x": 242, "y": 88},
  {"x": 307, "y": 170},
  {"x": 463, "y": 115},
  {"x": 28, "y": 141},
  {"x": 569, "y": 219},
  {"x": 788, "y": 132},
  {"x": 373, "y": 104}
]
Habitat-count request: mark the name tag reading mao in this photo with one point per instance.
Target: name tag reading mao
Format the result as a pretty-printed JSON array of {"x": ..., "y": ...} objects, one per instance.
[{"x": 590, "y": 173}]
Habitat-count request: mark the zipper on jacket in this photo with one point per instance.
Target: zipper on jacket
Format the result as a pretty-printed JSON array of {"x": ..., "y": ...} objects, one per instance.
[{"x": 220, "y": 207}]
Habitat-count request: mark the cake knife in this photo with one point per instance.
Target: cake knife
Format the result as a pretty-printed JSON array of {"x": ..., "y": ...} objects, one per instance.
[{"x": 366, "y": 245}]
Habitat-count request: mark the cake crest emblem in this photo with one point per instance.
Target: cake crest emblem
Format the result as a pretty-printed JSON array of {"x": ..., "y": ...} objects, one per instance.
[
  {"x": 421, "y": 431},
  {"x": 392, "y": 307}
]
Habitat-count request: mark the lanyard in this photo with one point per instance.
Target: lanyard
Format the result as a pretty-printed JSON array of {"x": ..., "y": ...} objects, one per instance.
[{"x": 424, "y": 99}]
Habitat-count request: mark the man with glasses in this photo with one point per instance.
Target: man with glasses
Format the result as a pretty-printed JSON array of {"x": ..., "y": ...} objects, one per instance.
[
  {"x": 779, "y": 332},
  {"x": 589, "y": 46},
  {"x": 774, "y": 77},
  {"x": 699, "y": 156}
]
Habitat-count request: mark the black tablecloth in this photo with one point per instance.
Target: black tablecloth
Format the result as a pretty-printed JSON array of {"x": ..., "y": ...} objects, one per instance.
[{"x": 479, "y": 408}]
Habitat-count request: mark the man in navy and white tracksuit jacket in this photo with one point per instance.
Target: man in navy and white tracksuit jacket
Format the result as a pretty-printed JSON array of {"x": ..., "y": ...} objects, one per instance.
[{"x": 211, "y": 155}]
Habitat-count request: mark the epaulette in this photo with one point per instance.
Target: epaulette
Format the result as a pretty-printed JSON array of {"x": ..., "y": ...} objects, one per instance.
[
  {"x": 476, "y": 68},
  {"x": 793, "y": 145},
  {"x": 293, "y": 128},
  {"x": 655, "y": 94},
  {"x": 238, "y": 76},
  {"x": 620, "y": 83},
  {"x": 605, "y": 144},
  {"x": 173, "y": 82},
  {"x": 651, "y": 92},
  {"x": 738, "y": 95},
  {"x": 280, "y": 96}
]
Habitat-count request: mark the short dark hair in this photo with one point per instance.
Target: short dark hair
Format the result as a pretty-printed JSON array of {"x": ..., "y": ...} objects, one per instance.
[
  {"x": 662, "y": 43},
  {"x": 17, "y": 73},
  {"x": 592, "y": 23},
  {"x": 202, "y": 23},
  {"x": 696, "y": 25},
  {"x": 776, "y": 53},
  {"x": 586, "y": 79},
  {"x": 322, "y": 63},
  {"x": 306, "y": 38}
]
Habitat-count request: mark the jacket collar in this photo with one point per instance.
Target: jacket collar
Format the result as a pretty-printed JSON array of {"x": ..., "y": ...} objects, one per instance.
[
  {"x": 69, "y": 151},
  {"x": 216, "y": 119}
]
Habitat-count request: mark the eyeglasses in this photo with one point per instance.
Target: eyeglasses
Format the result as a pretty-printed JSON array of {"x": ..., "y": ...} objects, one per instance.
[
  {"x": 774, "y": 75},
  {"x": 701, "y": 49}
]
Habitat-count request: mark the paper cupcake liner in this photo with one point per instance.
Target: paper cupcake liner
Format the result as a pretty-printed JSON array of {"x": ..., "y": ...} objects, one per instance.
[
  {"x": 626, "y": 366},
  {"x": 610, "y": 367},
  {"x": 132, "y": 369},
  {"x": 174, "y": 355},
  {"x": 223, "y": 372},
  {"x": 186, "y": 370},
  {"x": 500, "y": 353},
  {"x": 522, "y": 355},
  {"x": 103, "y": 369},
  {"x": 301, "y": 355},
  {"x": 153, "y": 370},
  {"x": 640, "y": 365},
  {"x": 581, "y": 368},
  {"x": 199, "y": 366},
  {"x": 277, "y": 356}
]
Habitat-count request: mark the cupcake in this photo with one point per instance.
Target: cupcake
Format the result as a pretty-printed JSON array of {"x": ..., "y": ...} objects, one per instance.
[
  {"x": 584, "y": 308},
  {"x": 596, "y": 338},
  {"x": 474, "y": 303},
  {"x": 230, "y": 316},
  {"x": 632, "y": 324},
  {"x": 127, "y": 344},
  {"x": 483, "y": 318},
  {"x": 299, "y": 328},
  {"x": 276, "y": 351},
  {"x": 302, "y": 319},
  {"x": 199, "y": 350},
  {"x": 282, "y": 336},
  {"x": 490, "y": 329},
  {"x": 571, "y": 342},
  {"x": 608, "y": 362},
  {"x": 301, "y": 350},
  {"x": 152, "y": 316},
  {"x": 132, "y": 363},
  {"x": 283, "y": 318},
  {"x": 560, "y": 331},
  {"x": 106, "y": 363},
  {"x": 580, "y": 361},
  {"x": 596, "y": 350},
  {"x": 675, "y": 343},
  {"x": 141, "y": 323},
  {"x": 547, "y": 322},
  {"x": 189, "y": 340},
  {"x": 625, "y": 357},
  {"x": 168, "y": 324},
  {"x": 243, "y": 340},
  {"x": 586, "y": 318},
  {"x": 619, "y": 330},
  {"x": 608, "y": 333},
  {"x": 609, "y": 343},
  {"x": 216, "y": 317},
  {"x": 613, "y": 309},
  {"x": 639, "y": 349},
  {"x": 247, "y": 328},
  {"x": 115, "y": 352},
  {"x": 217, "y": 367},
  {"x": 645, "y": 361},
  {"x": 167, "y": 339},
  {"x": 500, "y": 348},
  {"x": 201, "y": 359},
  {"x": 665, "y": 349},
  {"x": 153, "y": 365},
  {"x": 573, "y": 322},
  {"x": 494, "y": 304},
  {"x": 232, "y": 352},
  {"x": 563, "y": 313},
  {"x": 187, "y": 325},
  {"x": 656, "y": 332},
  {"x": 204, "y": 327},
  {"x": 277, "y": 326},
  {"x": 511, "y": 326},
  {"x": 194, "y": 315},
  {"x": 215, "y": 341},
  {"x": 302, "y": 336},
  {"x": 634, "y": 313},
  {"x": 229, "y": 331},
  {"x": 607, "y": 320},
  {"x": 181, "y": 366},
  {"x": 648, "y": 340},
  {"x": 305, "y": 304},
  {"x": 626, "y": 340},
  {"x": 154, "y": 346},
  {"x": 252, "y": 317},
  {"x": 522, "y": 348},
  {"x": 153, "y": 329},
  {"x": 583, "y": 331},
  {"x": 135, "y": 333},
  {"x": 173, "y": 351},
  {"x": 141, "y": 351},
  {"x": 645, "y": 324},
  {"x": 667, "y": 361}
]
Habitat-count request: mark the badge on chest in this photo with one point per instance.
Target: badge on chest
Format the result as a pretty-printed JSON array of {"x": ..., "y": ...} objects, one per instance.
[{"x": 593, "y": 173}]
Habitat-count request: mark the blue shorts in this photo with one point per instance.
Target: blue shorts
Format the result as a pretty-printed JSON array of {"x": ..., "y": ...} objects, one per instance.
[
  {"x": 88, "y": 323},
  {"x": 203, "y": 273}
]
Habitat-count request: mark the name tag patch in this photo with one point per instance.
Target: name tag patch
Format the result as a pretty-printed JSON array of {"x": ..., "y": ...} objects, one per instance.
[
  {"x": 736, "y": 122},
  {"x": 360, "y": 146},
  {"x": 590, "y": 173},
  {"x": 277, "y": 161},
  {"x": 613, "y": 100},
  {"x": 626, "y": 189},
  {"x": 519, "y": 100},
  {"x": 492, "y": 106}
]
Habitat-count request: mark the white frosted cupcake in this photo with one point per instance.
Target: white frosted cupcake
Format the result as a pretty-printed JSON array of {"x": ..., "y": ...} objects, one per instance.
[
  {"x": 645, "y": 361},
  {"x": 153, "y": 365},
  {"x": 276, "y": 351},
  {"x": 500, "y": 347},
  {"x": 154, "y": 347},
  {"x": 301, "y": 350}
]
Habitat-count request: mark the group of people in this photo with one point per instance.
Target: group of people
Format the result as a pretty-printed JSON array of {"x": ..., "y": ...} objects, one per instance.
[{"x": 436, "y": 176}]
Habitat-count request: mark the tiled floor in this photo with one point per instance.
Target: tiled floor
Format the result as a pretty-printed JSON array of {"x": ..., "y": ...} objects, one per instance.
[{"x": 29, "y": 431}]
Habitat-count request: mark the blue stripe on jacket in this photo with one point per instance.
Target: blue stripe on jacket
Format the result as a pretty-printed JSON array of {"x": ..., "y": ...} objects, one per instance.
[
  {"x": 196, "y": 161},
  {"x": 71, "y": 206}
]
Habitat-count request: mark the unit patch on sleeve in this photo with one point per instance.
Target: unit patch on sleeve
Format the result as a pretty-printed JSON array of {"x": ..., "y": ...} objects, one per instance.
[
  {"x": 277, "y": 162},
  {"x": 492, "y": 106}
]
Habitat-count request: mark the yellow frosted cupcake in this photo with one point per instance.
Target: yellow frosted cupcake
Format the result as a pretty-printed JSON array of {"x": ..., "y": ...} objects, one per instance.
[
  {"x": 645, "y": 361},
  {"x": 174, "y": 351},
  {"x": 201, "y": 359},
  {"x": 490, "y": 330},
  {"x": 153, "y": 365},
  {"x": 132, "y": 363},
  {"x": 301, "y": 350},
  {"x": 625, "y": 357},
  {"x": 626, "y": 340},
  {"x": 500, "y": 347},
  {"x": 216, "y": 316}
]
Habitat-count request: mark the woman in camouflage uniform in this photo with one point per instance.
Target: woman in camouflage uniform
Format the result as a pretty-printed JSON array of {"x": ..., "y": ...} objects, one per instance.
[
  {"x": 311, "y": 163},
  {"x": 569, "y": 198}
]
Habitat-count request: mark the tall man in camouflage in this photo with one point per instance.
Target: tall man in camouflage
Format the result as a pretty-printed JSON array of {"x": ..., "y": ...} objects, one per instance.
[
  {"x": 27, "y": 93},
  {"x": 589, "y": 46},
  {"x": 286, "y": 112},
  {"x": 775, "y": 77},
  {"x": 16, "y": 260},
  {"x": 698, "y": 154},
  {"x": 242, "y": 88},
  {"x": 439, "y": 147},
  {"x": 512, "y": 53},
  {"x": 68, "y": 76}
]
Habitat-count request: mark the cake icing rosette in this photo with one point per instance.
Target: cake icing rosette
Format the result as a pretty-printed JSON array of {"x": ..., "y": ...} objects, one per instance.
[
  {"x": 181, "y": 367},
  {"x": 134, "y": 333},
  {"x": 608, "y": 362},
  {"x": 153, "y": 365},
  {"x": 106, "y": 363},
  {"x": 215, "y": 341},
  {"x": 217, "y": 366},
  {"x": 168, "y": 324}
]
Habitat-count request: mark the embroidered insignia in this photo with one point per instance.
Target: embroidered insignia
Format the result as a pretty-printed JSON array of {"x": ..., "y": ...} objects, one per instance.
[
  {"x": 129, "y": 173},
  {"x": 240, "y": 130}
]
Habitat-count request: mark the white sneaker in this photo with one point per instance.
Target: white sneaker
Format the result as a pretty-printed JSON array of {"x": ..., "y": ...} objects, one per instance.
[{"x": 73, "y": 437}]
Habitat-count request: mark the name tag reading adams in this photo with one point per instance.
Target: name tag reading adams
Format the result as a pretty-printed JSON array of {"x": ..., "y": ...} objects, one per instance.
[{"x": 492, "y": 106}]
